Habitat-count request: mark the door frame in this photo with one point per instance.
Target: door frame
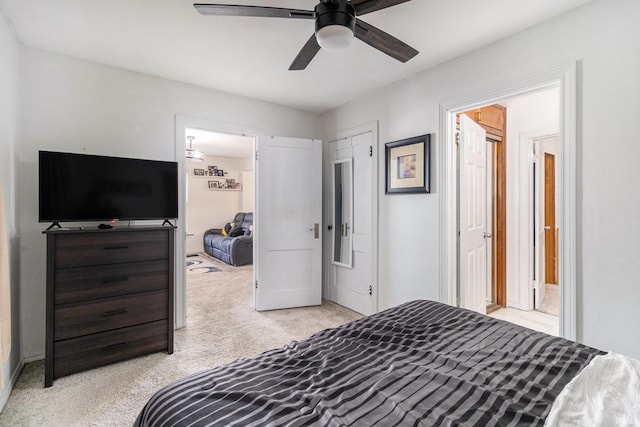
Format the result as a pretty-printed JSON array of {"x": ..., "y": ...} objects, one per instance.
[
  {"x": 565, "y": 78},
  {"x": 328, "y": 286},
  {"x": 183, "y": 122}
]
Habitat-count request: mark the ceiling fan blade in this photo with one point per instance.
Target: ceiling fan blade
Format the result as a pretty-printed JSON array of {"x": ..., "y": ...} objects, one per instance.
[
  {"x": 260, "y": 11},
  {"x": 368, "y": 6},
  {"x": 384, "y": 42},
  {"x": 306, "y": 54}
]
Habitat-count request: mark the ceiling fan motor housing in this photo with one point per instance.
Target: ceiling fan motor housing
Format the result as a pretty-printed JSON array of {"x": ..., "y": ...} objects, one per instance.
[{"x": 335, "y": 12}]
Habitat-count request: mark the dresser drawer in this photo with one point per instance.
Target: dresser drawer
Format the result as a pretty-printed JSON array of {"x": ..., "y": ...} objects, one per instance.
[
  {"x": 83, "y": 353},
  {"x": 74, "y": 320},
  {"x": 79, "y": 250},
  {"x": 103, "y": 281}
]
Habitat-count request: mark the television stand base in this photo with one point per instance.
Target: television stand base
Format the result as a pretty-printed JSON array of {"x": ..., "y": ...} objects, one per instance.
[{"x": 55, "y": 224}]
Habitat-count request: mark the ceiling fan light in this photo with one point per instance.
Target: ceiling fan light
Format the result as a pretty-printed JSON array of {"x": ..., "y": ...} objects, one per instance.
[
  {"x": 191, "y": 154},
  {"x": 334, "y": 37},
  {"x": 194, "y": 155}
]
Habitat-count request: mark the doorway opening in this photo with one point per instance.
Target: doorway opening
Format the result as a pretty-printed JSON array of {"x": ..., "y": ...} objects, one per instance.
[
  {"x": 524, "y": 199},
  {"x": 219, "y": 216},
  {"x": 511, "y": 197},
  {"x": 190, "y": 231}
]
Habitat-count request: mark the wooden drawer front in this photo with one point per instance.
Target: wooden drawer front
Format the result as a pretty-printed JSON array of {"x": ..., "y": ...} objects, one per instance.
[
  {"x": 78, "y": 250},
  {"x": 83, "y": 353},
  {"x": 103, "y": 281},
  {"x": 74, "y": 320}
]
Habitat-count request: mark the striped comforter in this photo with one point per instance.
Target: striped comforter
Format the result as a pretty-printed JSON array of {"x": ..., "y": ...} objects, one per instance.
[{"x": 421, "y": 363}]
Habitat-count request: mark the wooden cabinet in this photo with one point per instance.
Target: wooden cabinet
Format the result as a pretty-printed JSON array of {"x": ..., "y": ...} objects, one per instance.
[
  {"x": 109, "y": 296},
  {"x": 492, "y": 118}
]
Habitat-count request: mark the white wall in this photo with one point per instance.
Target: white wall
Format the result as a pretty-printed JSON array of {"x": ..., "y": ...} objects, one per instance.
[
  {"x": 603, "y": 37},
  {"x": 211, "y": 208},
  {"x": 530, "y": 115},
  {"x": 248, "y": 190},
  {"x": 75, "y": 105},
  {"x": 9, "y": 107}
]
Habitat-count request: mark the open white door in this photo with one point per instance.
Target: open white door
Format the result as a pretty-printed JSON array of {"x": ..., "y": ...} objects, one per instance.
[
  {"x": 474, "y": 237},
  {"x": 287, "y": 223},
  {"x": 538, "y": 214}
]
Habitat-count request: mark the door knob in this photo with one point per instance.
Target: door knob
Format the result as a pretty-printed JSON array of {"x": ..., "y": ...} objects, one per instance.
[
  {"x": 330, "y": 227},
  {"x": 487, "y": 235}
]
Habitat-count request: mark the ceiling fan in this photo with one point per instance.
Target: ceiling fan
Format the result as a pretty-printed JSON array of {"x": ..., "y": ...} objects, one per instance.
[{"x": 337, "y": 24}]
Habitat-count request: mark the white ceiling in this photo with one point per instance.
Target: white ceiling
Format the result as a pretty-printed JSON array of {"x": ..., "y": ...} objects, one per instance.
[
  {"x": 250, "y": 56},
  {"x": 221, "y": 144}
]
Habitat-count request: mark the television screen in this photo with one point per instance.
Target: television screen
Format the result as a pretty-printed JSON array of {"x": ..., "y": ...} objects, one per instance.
[{"x": 81, "y": 187}]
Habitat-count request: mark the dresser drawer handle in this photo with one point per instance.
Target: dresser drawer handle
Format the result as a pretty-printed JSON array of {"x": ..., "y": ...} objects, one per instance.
[
  {"x": 115, "y": 346},
  {"x": 115, "y": 279},
  {"x": 115, "y": 312},
  {"x": 108, "y": 248}
]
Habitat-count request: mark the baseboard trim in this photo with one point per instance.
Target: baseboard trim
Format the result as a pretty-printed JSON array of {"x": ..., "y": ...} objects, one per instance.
[
  {"x": 33, "y": 359},
  {"x": 6, "y": 392}
]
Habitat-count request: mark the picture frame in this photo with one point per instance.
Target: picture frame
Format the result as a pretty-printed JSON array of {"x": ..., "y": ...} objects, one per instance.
[
  {"x": 218, "y": 172},
  {"x": 198, "y": 172},
  {"x": 407, "y": 164},
  {"x": 214, "y": 184}
]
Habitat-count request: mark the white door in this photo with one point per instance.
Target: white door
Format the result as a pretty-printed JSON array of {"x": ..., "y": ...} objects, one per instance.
[
  {"x": 288, "y": 223},
  {"x": 354, "y": 286},
  {"x": 538, "y": 214},
  {"x": 474, "y": 237},
  {"x": 542, "y": 148}
]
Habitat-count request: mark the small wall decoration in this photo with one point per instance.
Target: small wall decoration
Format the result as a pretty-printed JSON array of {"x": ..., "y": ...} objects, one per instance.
[
  {"x": 227, "y": 184},
  {"x": 198, "y": 172},
  {"x": 212, "y": 170},
  {"x": 218, "y": 172},
  {"x": 407, "y": 165}
]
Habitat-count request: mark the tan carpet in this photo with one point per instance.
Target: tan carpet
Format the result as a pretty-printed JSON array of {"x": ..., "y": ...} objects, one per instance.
[{"x": 222, "y": 326}]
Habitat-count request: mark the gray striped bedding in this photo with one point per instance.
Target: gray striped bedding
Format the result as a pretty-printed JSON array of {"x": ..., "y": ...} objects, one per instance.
[{"x": 421, "y": 363}]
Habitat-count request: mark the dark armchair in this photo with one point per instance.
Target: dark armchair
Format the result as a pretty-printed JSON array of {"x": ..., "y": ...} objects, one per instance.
[{"x": 236, "y": 247}]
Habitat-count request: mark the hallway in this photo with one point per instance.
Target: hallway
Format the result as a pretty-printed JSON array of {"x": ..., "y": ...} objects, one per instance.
[{"x": 535, "y": 320}]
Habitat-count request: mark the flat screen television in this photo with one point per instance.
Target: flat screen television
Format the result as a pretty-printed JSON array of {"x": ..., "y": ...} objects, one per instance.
[{"x": 82, "y": 187}]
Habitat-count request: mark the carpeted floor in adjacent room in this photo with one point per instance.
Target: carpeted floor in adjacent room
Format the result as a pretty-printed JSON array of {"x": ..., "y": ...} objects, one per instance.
[{"x": 222, "y": 326}]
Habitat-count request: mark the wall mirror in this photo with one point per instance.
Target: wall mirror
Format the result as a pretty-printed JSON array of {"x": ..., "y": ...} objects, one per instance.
[{"x": 343, "y": 212}]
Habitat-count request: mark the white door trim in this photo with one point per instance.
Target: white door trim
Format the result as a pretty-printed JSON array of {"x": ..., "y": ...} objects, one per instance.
[
  {"x": 181, "y": 124},
  {"x": 565, "y": 77},
  {"x": 364, "y": 128}
]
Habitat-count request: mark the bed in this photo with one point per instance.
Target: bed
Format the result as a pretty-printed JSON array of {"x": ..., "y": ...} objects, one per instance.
[{"x": 421, "y": 363}]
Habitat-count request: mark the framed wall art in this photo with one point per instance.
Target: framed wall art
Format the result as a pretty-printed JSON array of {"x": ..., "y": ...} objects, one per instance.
[{"x": 407, "y": 165}]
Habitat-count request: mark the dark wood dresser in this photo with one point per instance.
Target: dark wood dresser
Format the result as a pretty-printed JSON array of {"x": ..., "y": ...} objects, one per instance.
[{"x": 109, "y": 296}]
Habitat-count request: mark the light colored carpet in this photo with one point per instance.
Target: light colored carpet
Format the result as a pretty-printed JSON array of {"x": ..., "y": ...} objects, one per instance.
[{"x": 222, "y": 327}]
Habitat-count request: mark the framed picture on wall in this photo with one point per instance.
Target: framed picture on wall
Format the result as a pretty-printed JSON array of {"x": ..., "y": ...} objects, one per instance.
[
  {"x": 214, "y": 184},
  {"x": 407, "y": 165},
  {"x": 198, "y": 172}
]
